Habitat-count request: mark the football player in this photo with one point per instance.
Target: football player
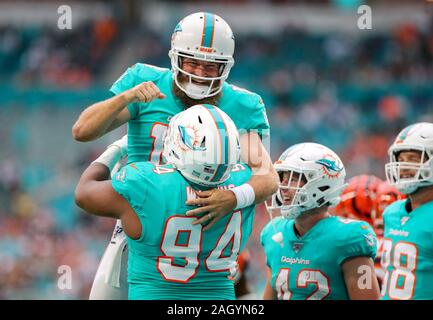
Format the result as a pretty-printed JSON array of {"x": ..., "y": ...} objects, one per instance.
[
  {"x": 310, "y": 254},
  {"x": 358, "y": 202},
  {"x": 407, "y": 255},
  {"x": 146, "y": 97},
  {"x": 170, "y": 255}
]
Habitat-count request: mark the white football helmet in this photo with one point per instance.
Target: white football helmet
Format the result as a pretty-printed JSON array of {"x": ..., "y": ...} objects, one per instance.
[
  {"x": 202, "y": 36},
  {"x": 202, "y": 142},
  {"x": 320, "y": 169},
  {"x": 416, "y": 137}
]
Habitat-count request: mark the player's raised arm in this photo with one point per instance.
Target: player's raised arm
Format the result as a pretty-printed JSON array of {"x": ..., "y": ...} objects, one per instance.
[
  {"x": 360, "y": 278},
  {"x": 107, "y": 115},
  {"x": 265, "y": 179}
]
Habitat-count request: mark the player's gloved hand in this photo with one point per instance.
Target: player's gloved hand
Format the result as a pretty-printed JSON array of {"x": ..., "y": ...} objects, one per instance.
[
  {"x": 214, "y": 204},
  {"x": 144, "y": 92}
]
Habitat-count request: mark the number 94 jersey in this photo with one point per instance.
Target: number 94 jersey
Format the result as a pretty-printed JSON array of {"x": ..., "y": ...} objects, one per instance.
[
  {"x": 407, "y": 256},
  {"x": 174, "y": 259},
  {"x": 309, "y": 267}
]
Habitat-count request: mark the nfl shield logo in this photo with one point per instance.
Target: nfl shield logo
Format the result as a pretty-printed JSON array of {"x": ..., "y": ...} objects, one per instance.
[{"x": 297, "y": 246}]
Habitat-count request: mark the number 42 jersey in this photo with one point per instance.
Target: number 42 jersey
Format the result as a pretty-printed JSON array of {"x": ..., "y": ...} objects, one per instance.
[
  {"x": 309, "y": 267},
  {"x": 174, "y": 259},
  {"x": 407, "y": 255}
]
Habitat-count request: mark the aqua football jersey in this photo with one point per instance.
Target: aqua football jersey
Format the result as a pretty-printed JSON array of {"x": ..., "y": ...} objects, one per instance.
[
  {"x": 149, "y": 121},
  {"x": 309, "y": 267},
  {"x": 174, "y": 259},
  {"x": 407, "y": 255}
]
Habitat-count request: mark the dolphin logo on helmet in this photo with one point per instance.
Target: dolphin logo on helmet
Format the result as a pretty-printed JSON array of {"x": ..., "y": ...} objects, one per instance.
[{"x": 186, "y": 135}]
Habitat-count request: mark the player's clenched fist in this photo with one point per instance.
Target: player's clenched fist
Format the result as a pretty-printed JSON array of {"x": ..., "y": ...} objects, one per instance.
[{"x": 144, "y": 92}]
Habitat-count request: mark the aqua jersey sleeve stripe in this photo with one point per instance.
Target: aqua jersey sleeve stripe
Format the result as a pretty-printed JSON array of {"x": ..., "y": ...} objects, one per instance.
[{"x": 208, "y": 30}]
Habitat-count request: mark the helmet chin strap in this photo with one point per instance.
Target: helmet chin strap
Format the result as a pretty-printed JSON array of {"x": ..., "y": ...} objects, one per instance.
[
  {"x": 195, "y": 91},
  {"x": 277, "y": 236}
]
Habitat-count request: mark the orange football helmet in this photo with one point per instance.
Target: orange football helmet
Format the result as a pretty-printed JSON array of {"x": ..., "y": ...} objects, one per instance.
[
  {"x": 358, "y": 200},
  {"x": 385, "y": 195},
  {"x": 243, "y": 262}
]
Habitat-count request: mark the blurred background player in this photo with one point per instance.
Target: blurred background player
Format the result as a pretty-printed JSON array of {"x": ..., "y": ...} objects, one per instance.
[
  {"x": 146, "y": 97},
  {"x": 385, "y": 195},
  {"x": 407, "y": 255},
  {"x": 310, "y": 254},
  {"x": 358, "y": 199},
  {"x": 243, "y": 289},
  {"x": 170, "y": 255}
]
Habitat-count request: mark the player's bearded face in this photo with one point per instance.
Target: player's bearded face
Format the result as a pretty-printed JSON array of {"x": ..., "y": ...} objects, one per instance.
[
  {"x": 201, "y": 69},
  {"x": 288, "y": 183}
]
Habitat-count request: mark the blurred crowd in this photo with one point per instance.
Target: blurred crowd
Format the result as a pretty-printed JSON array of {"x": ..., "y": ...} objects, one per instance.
[
  {"x": 42, "y": 56},
  {"x": 351, "y": 93}
]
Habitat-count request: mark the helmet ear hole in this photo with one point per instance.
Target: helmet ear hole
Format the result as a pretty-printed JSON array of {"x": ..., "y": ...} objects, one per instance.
[
  {"x": 425, "y": 173},
  {"x": 320, "y": 201}
]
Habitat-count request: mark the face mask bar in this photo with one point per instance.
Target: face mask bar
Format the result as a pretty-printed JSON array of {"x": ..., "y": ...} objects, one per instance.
[
  {"x": 200, "y": 91},
  {"x": 299, "y": 199},
  {"x": 422, "y": 170},
  {"x": 422, "y": 175}
]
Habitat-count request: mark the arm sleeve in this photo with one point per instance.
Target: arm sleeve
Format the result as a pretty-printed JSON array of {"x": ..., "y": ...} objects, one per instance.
[
  {"x": 131, "y": 185},
  {"x": 125, "y": 82},
  {"x": 360, "y": 242}
]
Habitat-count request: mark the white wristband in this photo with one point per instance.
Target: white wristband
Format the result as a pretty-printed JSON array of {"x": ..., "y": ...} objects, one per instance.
[
  {"x": 245, "y": 195},
  {"x": 110, "y": 157}
]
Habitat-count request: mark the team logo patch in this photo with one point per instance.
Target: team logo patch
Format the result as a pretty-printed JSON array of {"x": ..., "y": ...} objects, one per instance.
[
  {"x": 120, "y": 176},
  {"x": 297, "y": 246},
  {"x": 403, "y": 220},
  {"x": 404, "y": 134},
  {"x": 330, "y": 165},
  {"x": 178, "y": 27},
  {"x": 369, "y": 238},
  {"x": 190, "y": 139}
]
